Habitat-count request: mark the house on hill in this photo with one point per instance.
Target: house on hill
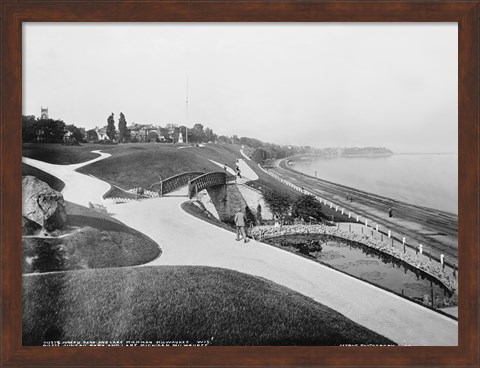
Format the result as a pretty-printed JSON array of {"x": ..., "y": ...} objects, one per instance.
[{"x": 144, "y": 132}]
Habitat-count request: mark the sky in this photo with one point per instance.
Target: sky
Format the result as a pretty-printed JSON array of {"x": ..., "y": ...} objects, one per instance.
[{"x": 319, "y": 84}]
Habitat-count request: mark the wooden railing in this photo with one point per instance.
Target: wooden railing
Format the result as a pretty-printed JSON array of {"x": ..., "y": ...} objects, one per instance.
[
  {"x": 206, "y": 180},
  {"x": 174, "y": 182}
]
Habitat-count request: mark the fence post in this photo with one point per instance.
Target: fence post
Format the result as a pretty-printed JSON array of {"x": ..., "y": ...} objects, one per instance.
[
  {"x": 442, "y": 261},
  {"x": 404, "y": 250}
]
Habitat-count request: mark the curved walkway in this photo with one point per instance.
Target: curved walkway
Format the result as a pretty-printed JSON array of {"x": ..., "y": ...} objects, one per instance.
[
  {"x": 186, "y": 240},
  {"x": 79, "y": 188}
]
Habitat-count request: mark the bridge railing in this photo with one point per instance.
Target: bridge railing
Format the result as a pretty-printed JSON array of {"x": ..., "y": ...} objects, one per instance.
[
  {"x": 174, "y": 182},
  {"x": 206, "y": 180}
]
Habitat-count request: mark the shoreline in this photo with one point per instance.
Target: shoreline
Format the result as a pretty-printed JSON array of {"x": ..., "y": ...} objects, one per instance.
[
  {"x": 393, "y": 200},
  {"x": 436, "y": 230}
]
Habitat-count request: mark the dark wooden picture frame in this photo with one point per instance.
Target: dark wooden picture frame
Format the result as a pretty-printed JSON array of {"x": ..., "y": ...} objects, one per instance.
[{"x": 13, "y": 13}]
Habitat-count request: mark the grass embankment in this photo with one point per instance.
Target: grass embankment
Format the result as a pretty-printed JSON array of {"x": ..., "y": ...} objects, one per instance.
[
  {"x": 180, "y": 304},
  {"x": 198, "y": 210},
  {"x": 56, "y": 153},
  {"x": 92, "y": 240},
  {"x": 141, "y": 165},
  {"x": 52, "y": 181}
]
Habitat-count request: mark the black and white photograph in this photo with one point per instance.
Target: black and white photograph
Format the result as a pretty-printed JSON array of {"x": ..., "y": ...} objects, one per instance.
[{"x": 240, "y": 184}]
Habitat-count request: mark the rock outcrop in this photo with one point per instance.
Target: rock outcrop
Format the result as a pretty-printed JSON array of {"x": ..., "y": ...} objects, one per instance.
[{"x": 42, "y": 204}]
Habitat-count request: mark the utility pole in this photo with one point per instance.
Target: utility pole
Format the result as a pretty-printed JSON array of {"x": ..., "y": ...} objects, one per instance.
[{"x": 186, "y": 116}]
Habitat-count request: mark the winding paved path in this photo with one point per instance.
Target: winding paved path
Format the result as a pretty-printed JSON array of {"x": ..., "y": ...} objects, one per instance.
[
  {"x": 79, "y": 188},
  {"x": 186, "y": 240}
]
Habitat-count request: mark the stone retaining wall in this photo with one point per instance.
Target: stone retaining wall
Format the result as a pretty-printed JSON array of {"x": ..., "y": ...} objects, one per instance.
[{"x": 434, "y": 270}]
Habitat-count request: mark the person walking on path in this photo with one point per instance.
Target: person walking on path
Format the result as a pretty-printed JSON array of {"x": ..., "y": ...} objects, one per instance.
[
  {"x": 239, "y": 174},
  {"x": 240, "y": 224},
  {"x": 390, "y": 212}
]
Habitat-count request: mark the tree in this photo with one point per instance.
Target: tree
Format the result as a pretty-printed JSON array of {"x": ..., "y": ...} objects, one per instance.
[
  {"x": 50, "y": 131},
  {"x": 76, "y": 133},
  {"x": 152, "y": 137},
  {"x": 210, "y": 136},
  {"x": 196, "y": 134},
  {"x": 122, "y": 127},
  {"x": 224, "y": 139},
  {"x": 111, "y": 127},
  {"x": 165, "y": 133},
  {"x": 127, "y": 136},
  {"x": 307, "y": 207},
  {"x": 250, "y": 216},
  {"x": 259, "y": 214},
  {"x": 92, "y": 135},
  {"x": 278, "y": 203},
  {"x": 29, "y": 128},
  {"x": 260, "y": 155}
]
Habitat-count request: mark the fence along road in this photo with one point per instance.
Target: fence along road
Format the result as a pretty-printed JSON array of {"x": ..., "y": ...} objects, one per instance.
[{"x": 420, "y": 225}]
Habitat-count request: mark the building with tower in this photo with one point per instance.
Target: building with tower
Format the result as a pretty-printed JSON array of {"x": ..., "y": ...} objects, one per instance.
[{"x": 44, "y": 113}]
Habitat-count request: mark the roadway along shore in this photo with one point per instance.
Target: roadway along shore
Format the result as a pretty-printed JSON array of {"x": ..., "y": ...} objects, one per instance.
[{"x": 436, "y": 230}]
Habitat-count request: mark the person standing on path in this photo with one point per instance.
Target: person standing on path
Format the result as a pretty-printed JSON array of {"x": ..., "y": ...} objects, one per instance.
[{"x": 240, "y": 224}]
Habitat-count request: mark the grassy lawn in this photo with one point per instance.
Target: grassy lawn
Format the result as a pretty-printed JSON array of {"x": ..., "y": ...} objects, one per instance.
[
  {"x": 133, "y": 165},
  {"x": 52, "y": 181},
  {"x": 57, "y": 153},
  {"x": 178, "y": 303},
  {"x": 93, "y": 240}
]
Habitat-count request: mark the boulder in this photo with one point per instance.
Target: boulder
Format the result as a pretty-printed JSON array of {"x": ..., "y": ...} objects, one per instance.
[{"x": 42, "y": 204}]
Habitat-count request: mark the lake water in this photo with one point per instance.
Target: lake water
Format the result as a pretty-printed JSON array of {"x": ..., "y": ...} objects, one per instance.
[{"x": 429, "y": 180}]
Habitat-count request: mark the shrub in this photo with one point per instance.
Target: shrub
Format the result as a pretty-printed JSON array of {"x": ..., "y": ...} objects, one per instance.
[{"x": 307, "y": 207}]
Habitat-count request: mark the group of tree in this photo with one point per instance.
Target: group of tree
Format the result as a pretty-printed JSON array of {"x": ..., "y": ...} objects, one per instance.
[
  {"x": 306, "y": 207},
  {"x": 198, "y": 134},
  {"x": 265, "y": 151},
  {"x": 122, "y": 135},
  {"x": 48, "y": 130}
]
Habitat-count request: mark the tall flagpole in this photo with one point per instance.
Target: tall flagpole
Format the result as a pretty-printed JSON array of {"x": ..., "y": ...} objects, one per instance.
[{"x": 186, "y": 116}]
